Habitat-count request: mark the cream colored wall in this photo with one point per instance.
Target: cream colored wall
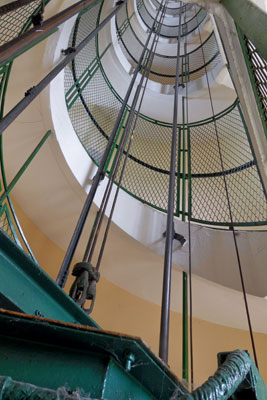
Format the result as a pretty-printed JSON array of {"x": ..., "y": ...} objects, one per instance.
[{"x": 120, "y": 311}]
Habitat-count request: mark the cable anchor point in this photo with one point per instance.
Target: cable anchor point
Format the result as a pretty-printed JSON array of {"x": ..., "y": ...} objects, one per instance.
[{"x": 84, "y": 286}]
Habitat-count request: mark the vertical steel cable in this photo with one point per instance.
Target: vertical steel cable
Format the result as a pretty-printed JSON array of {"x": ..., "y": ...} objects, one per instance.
[
  {"x": 189, "y": 237},
  {"x": 94, "y": 236},
  {"x": 230, "y": 210},
  {"x": 64, "y": 270},
  {"x": 145, "y": 72},
  {"x": 166, "y": 290}
]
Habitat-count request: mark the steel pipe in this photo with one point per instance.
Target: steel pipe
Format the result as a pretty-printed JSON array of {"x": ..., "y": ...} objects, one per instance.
[
  {"x": 166, "y": 289},
  {"x": 36, "y": 90}
]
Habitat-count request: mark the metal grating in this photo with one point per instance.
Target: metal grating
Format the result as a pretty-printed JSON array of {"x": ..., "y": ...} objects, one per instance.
[
  {"x": 163, "y": 67},
  {"x": 209, "y": 202},
  {"x": 258, "y": 67},
  {"x": 13, "y": 23},
  {"x": 172, "y": 31},
  {"x": 147, "y": 171},
  {"x": 5, "y": 222}
]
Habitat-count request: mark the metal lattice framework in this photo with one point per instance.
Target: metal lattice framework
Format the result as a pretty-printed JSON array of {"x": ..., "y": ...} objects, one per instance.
[
  {"x": 12, "y": 24},
  {"x": 173, "y": 10},
  {"x": 257, "y": 68},
  {"x": 163, "y": 67},
  {"x": 146, "y": 175},
  {"x": 209, "y": 202},
  {"x": 171, "y": 31}
]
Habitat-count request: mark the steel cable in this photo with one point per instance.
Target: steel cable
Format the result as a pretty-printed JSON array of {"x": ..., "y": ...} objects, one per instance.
[
  {"x": 230, "y": 211},
  {"x": 96, "y": 229},
  {"x": 145, "y": 72}
]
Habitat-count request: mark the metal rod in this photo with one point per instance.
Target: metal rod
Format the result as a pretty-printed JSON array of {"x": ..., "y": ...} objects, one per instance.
[
  {"x": 230, "y": 212},
  {"x": 185, "y": 327},
  {"x": 17, "y": 45},
  {"x": 24, "y": 167},
  {"x": 145, "y": 75},
  {"x": 190, "y": 262},
  {"x": 15, "y": 218},
  {"x": 64, "y": 270},
  {"x": 115, "y": 164},
  {"x": 36, "y": 90},
  {"x": 183, "y": 162},
  {"x": 189, "y": 228},
  {"x": 14, "y": 5},
  {"x": 166, "y": 290}
]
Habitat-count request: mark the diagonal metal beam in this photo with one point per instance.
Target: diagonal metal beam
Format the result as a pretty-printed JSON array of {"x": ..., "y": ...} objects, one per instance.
[{"x": 18, "y": 45}]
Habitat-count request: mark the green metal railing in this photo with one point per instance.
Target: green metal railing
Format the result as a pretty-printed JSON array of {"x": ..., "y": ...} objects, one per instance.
[
  {"x": 163, "y": 67},
  {"x": 174, "y": 10},
  {"x": 257, "y": 69},
  {"x": 13, "y": 24},
  {"x": 146, "y": 174},
  {"x": 171, "y": 31}
]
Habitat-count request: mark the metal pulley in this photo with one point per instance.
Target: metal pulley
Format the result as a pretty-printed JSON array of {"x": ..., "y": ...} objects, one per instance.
[{"x": 84, "y": 286}]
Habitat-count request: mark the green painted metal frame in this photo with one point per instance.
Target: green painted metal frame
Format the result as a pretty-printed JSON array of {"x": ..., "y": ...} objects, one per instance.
[
  {"x": 93, "y": 362},
  {"x": 185, "y": 328},
  {"x": 185, "y": 176},
  {"x": 48, "y": 357},
  {"x": 6, "y": 69},
  {"x": 251, "y": 76},
  {"x": 79, "y": 85},
  {"x": 24, "y": 167},
  {"x": 172, "y": 57},
  {"x": 30, "y": 289}
]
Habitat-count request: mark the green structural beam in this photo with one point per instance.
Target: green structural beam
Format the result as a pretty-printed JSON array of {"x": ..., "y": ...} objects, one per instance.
[
  {"x": 96, "y": 364},
  {"x": 252, "y": 20},
  {"x": 24, "y": 284}
]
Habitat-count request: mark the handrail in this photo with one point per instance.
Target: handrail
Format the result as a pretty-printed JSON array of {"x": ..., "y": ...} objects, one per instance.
[
  {"x": 16, "y": 46},
  {"x": 160, "y": 168},
  {"x": 6, "y": 70},
  {"x": 185, "y": 7},
  {"x": 193, "y": 67},
  {"x": 162, "y": 55},
  {"x": 185, "y": 31},
  {"x": 175, "y": 26}
]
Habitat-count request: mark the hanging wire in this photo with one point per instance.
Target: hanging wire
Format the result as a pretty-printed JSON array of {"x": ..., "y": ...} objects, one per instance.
[
  {"x": 99, "y": 219},
  {"x": 145, "y": 75},
  {"x": 189, "y": 232},
  {"x": 92, "y": 243},
  {"x": 167, "y": 272},
  {"x": 229, "y": 208}
]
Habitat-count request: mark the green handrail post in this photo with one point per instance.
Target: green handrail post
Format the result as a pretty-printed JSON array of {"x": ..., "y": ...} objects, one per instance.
[
  {"x": 185, "y": 328},
  {"x": 189, "y": 174},
  {"x": 24, "y": 167},
  {"x": 183, "y": 161},
  {"x": 178, "y": 174}
]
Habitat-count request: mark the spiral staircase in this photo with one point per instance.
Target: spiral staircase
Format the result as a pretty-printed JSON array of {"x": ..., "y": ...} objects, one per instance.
[{"x": 215, "y": 152}]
